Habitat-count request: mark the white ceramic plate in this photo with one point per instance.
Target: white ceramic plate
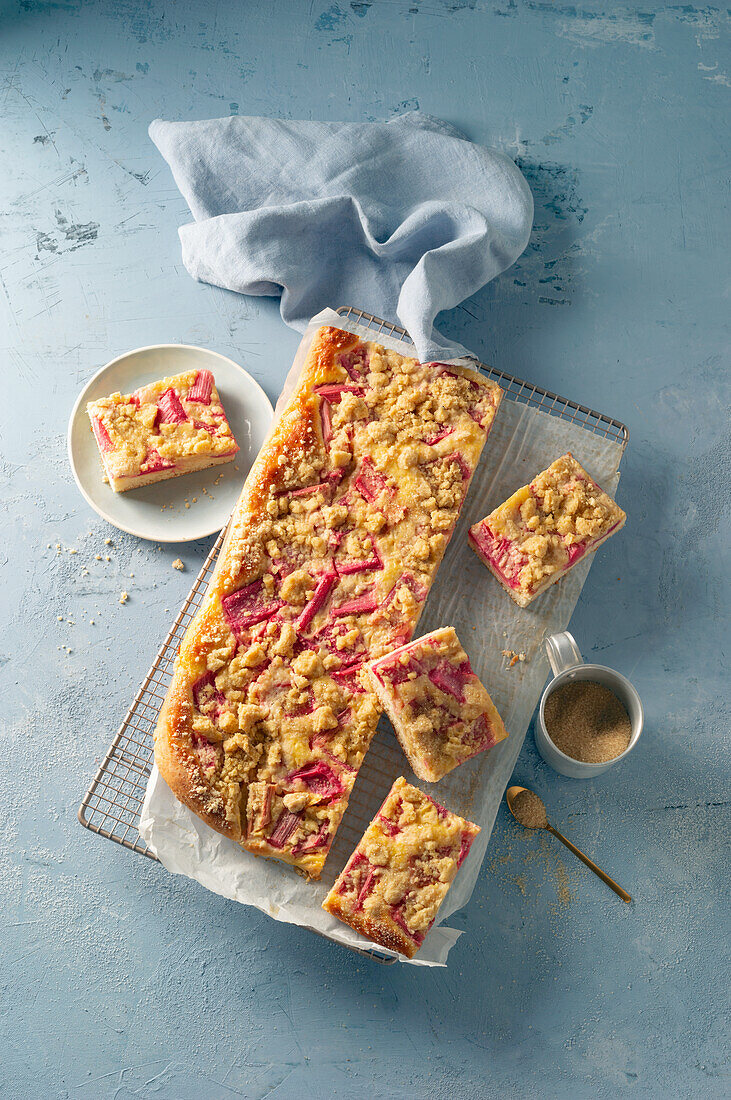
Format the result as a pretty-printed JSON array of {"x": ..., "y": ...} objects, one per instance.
[{"x": 140, "y": 511}]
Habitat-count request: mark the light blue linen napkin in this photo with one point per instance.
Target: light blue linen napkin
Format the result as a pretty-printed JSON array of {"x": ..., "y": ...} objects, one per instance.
[{"x": 401, "y": 219}]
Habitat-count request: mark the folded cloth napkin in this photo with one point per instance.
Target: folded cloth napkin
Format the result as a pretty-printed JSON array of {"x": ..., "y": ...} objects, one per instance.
[{"x": 401, "y": 219}]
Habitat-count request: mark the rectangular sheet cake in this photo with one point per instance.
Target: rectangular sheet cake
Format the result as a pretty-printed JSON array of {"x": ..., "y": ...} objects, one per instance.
[{"x": 332, "y": 549}]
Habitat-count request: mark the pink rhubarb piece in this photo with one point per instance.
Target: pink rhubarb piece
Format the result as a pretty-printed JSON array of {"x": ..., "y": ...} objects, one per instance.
[
  {"x": 201, "y": 388},
  {"x": 319, "y": 596},
  {"x": 171, "y": 410},
  {"x": 248, "y": 606},
  {"x": 102, "y": 435}
]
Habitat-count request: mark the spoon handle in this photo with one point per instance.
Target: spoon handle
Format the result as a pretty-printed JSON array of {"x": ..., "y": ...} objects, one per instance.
[{"x": 591, "y": 865}]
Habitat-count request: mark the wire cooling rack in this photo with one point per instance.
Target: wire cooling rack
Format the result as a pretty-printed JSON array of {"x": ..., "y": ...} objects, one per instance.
[{"x": 112, "y": 805}]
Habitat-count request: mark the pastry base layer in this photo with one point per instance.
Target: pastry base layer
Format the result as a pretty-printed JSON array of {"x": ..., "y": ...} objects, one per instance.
[{"x": 122, "y": 484}]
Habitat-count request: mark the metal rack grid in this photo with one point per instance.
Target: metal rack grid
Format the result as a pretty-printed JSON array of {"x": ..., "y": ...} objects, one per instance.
[{"x": 112, "y": 805}]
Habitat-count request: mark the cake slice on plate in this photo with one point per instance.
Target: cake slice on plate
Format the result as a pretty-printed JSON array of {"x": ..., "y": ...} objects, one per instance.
[{"x": 166, "y": 428}]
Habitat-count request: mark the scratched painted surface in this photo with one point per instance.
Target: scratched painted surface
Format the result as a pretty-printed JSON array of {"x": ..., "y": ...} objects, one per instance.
[{"x": 121, "y": 981}]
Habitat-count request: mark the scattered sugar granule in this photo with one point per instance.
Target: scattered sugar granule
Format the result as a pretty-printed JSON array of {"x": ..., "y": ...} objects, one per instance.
[
  {"x": 123, "y": 598},
  {"x": 179, "y": 564}
]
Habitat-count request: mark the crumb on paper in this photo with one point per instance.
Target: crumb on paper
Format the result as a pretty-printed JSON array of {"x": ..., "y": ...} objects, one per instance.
[
  {"x": 512, "y": 657},
  {"x": 123, "y": 598},
  {"x": 108, "y": 542},
  {"x": 179, "y": 564}
]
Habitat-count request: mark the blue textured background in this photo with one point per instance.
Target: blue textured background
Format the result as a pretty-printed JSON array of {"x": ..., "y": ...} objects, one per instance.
[{"x": 121, "y": 981}]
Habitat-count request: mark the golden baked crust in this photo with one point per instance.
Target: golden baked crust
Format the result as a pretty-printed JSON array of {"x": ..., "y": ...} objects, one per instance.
[
  {"x": 169, "y": 427},
  {"x": 337, "y": 536},
  {"x": 440, "y": 711},
  {"x": 391, "y": 888},
  {"x": 545, "y": 528}
]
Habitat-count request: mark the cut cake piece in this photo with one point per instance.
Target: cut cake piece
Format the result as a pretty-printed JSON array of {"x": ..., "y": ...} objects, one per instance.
[
  {"x": 545, "y": 528},
  {"x": 440, "y": 711},
  {"x": 329, "y": 557},
  {"x": 164, "y": 429},
  {"x": 391, "y": 888}
]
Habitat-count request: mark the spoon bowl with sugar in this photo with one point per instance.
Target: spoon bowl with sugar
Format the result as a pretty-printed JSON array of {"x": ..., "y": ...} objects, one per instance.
[{"x": 529, "y": 810}]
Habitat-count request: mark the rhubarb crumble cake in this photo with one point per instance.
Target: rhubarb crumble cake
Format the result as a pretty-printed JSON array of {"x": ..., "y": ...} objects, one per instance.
[
  {"x": 331, "y": 550},
  {"x": 392, "y": 886},
  {"x": 167, "y": 428},
  {"x": 441, "y": 713},
  {"x": 544, "y": 529}
]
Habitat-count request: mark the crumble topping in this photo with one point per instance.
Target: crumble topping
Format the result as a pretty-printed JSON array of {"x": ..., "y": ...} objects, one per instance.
[
  {"x": 342, "y": 525},
  {"x": 441, "y": 713},
  {"x": 546, "y": 527},
  {"x": 398, "y": 876}
]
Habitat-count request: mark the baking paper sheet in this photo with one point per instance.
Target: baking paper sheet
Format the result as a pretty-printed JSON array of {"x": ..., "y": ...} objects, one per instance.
[{"x": 522, "y": 442}]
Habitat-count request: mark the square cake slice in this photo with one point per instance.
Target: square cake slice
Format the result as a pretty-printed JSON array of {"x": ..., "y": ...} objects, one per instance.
[
  {"x": 441, "y": 713},
  {"x": 170, "y": 427},
  {"x": 544, "y": 529},
  {"x": 392, "y": 886}
]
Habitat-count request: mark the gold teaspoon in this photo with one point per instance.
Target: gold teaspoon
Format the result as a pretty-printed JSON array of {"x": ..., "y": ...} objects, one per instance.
[{"x": 531, "y": 813}]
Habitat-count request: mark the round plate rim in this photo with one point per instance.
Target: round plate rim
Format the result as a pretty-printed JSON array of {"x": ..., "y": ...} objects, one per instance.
[{"x": 75, "y": 411}]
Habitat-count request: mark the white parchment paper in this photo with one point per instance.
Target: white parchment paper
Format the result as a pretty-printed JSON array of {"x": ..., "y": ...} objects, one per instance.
[{"x": 522, "y": 442}]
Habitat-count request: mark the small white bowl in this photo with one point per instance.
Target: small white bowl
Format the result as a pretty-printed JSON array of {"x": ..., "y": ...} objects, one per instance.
[
  {"x": 158, "y": 512},
  {"x": 568, "y": 666}
]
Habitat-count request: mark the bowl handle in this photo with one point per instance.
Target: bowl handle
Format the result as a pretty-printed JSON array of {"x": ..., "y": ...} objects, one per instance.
[{"x": 563, "y": 652}]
